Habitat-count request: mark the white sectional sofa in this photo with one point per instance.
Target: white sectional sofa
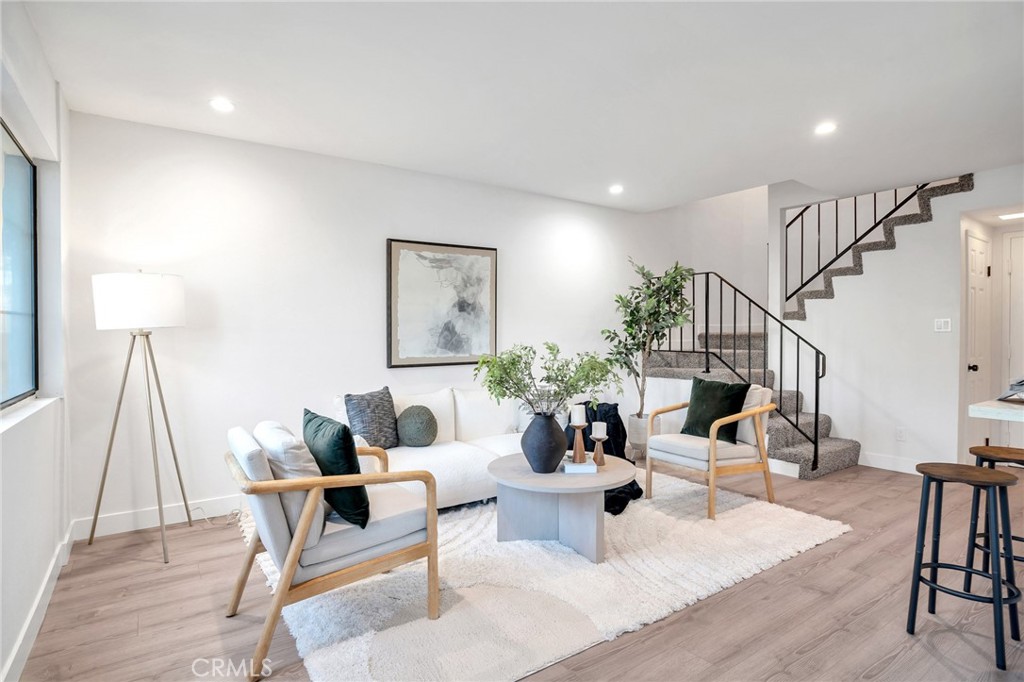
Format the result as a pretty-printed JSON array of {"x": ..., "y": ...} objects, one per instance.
[{"x": 472, "y": 431}]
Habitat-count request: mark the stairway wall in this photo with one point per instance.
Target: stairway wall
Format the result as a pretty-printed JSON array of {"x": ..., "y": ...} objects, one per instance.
[
  {"x": 887, "y": 368},
  {"x": 726, "y": 234}
]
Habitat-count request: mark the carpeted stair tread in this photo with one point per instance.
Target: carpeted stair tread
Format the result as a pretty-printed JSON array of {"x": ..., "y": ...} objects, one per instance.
[
  {"x": 788, "y": 401},
  {"x": 742, "y": 359},
  {"x": 764, "y": 377},
  {"x": 834, "y": 454},
  {"x": 729, "y": 340},
  {"x": 783, "y": 434}
]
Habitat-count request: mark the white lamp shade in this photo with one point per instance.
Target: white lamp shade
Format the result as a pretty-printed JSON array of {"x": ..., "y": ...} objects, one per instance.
[{"x": 136, "y": 300}]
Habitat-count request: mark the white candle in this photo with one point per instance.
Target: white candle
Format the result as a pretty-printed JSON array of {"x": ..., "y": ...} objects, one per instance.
[
  {"x": 579, "y": 414},
  {"x": 600, "y": 430}
]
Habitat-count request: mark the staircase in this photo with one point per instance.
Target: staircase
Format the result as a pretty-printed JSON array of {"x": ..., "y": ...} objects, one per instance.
[
  {"x": 785, "y": 441},
  {"x": 844, "y": 230}
]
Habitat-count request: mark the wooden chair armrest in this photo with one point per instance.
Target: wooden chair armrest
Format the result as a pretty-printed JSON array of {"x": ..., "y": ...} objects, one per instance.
[
  {"x": 379, "y": 453},
  {"x": 718, "y": 423},
  {"x": 662, "y": 410},
  {"x": 251, "y": 487}
]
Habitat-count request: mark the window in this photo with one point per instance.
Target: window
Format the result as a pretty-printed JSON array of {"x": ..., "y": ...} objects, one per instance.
[{"x": 19, "y": 357}]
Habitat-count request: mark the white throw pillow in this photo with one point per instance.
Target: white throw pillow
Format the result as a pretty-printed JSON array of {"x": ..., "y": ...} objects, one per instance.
[
  {"x": 478, "y": 415},
  {"x": 290, "y": 458},
  {"x": 745, "y": 428},
  {"x": 438, "y": 402},
  {"x": 340, "y": 412},
  {"x": 368, "y": 464}
]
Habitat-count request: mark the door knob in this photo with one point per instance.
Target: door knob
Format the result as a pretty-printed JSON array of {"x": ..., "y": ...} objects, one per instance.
[{"x": 972, "y": 368}]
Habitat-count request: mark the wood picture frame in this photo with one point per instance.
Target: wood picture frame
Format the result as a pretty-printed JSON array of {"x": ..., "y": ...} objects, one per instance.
[{"x": 442, "y": 303}]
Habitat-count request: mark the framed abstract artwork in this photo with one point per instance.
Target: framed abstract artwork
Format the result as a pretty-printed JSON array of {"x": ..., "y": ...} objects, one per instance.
[{"x": 442, "y": 303}]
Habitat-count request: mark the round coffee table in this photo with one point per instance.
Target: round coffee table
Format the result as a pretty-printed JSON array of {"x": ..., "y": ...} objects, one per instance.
[{"x": 558, "y": 506}]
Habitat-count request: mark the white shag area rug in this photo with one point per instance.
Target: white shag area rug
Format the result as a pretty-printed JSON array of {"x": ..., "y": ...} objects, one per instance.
[{"x": 511, "y": 608}]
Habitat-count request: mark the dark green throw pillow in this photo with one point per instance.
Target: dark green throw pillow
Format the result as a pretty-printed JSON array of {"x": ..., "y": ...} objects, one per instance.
[
  {"x": 710, "y": 401},
  {"x": 334, "y": 450}
]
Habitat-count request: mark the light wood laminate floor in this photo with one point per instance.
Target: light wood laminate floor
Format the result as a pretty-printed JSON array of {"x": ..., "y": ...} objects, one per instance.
[{"x": 836, "y": 612}]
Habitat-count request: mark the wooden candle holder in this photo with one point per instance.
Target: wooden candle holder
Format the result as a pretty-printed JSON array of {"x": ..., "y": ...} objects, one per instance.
[
  {"x": 599, "y": 450},
  {"x": 579, "y": 453}
]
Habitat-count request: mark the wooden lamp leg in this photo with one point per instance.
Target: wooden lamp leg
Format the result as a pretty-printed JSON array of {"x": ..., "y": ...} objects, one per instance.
[
  {"x": 167, "y": 425},
  {"x": 110, "y": 443}
]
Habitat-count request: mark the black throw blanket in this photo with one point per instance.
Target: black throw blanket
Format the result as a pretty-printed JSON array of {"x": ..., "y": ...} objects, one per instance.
[{"x": 616, "y": 499}]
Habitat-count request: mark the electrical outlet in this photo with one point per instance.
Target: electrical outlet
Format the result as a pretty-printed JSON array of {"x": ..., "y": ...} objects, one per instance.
[
  {"x": 901, "y": 434},
  {"x": 943, "y": 324}
]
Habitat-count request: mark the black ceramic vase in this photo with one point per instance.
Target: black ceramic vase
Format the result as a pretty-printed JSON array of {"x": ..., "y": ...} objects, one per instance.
[{"x": 544, "y": 443}]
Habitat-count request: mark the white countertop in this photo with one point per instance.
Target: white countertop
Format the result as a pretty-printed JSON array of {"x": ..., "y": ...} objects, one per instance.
[{"x": 997, "y": 409}]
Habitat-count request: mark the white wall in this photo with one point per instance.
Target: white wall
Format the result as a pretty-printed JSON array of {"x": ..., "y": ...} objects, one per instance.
[
  {"x": 34, "y": 516},
  {"x": 783, "y": 195},
  {"x": 29, "y": 93},
  {"x": 887, "y": 368},
  {"x": 727, "y": 234},
  {"x": 283, "y": 255},
  {"x": 35, "y": 539}
]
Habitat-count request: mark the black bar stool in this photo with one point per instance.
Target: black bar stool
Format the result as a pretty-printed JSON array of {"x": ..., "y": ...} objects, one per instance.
[
  {"x": 995, "y": 484},
  {"x": 988, "y": 455}
]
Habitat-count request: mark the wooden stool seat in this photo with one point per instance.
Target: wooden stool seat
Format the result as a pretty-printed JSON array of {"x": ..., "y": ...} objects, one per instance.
[
  {"x": 998, "y": 453},
  {"x": 965, "y": 473}
]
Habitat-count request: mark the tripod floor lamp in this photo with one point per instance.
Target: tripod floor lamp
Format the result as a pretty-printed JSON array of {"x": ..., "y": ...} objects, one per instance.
[{"x": 140, "y": 302}]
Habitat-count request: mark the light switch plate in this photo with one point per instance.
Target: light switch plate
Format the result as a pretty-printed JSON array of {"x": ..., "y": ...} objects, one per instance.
[{"x": 943, "y": 324}]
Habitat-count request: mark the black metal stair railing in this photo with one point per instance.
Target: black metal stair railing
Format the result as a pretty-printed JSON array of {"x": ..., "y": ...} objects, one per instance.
[
  {"x": 845, "y": 238},
  {"x": 721, "y": 308}
]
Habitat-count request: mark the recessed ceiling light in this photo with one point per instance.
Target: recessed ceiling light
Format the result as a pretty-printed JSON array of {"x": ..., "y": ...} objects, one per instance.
[
  {"x": 222, "y": 104},
  {"x": 1012, "y": 216},
  {"x": 615, "y": 189},
  {"x": 825, "y": 128}
]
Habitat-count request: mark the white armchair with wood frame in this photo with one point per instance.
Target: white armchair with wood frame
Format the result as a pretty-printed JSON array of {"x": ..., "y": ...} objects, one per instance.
[
  {"x": 402, "y": 528},
  {"x": 711, "y": 456}
]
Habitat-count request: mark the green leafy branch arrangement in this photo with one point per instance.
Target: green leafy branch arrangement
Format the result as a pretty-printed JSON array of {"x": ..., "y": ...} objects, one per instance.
[
  {"x": 510, "y": 374},
  {"x": 649, "y": 310}
]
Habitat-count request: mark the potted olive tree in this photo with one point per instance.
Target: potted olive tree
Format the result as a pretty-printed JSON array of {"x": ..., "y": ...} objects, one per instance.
[
  {"x": 544, "y": 391},
  {"x": 648, "y": 310}
]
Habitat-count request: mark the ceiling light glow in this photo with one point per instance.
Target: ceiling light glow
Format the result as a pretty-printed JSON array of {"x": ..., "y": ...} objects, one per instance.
[
  {"x": 1012, "y": 216},
  {"x": 615, "y": 189},
  {"x": 222, "y": 104},
  {"x": 825, "y": 128}
]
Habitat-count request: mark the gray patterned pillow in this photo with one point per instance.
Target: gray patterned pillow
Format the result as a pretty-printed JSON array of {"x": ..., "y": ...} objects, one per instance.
[{"x": 372, "y": 416}]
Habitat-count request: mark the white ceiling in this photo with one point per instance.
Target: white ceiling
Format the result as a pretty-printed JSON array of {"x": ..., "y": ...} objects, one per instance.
[
  {"x": 674, "y": 101},
  {"x": 990, "y": 216}
]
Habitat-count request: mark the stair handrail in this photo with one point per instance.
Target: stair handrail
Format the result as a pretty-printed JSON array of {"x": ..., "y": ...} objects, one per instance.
[
  {"x": 878, "y": 222},
  {"x": 820, "y": 359}
]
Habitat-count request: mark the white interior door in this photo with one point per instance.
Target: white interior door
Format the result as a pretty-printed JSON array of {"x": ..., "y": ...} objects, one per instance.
[
  {"x": 1013, "y": 324},
  {"x": 979, "y": 320}
]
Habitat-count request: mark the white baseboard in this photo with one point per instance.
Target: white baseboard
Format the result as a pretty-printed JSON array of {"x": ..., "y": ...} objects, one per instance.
[
  {"x": 15, "y": 663},
  {"x": 137, "y": 519},
  {"x": 903, "y": 465},
  {"x": 777, "y": 466}
]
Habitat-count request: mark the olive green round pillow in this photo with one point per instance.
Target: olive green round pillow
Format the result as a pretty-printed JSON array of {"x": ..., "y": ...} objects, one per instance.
[{"x": 417, "y": 426}]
